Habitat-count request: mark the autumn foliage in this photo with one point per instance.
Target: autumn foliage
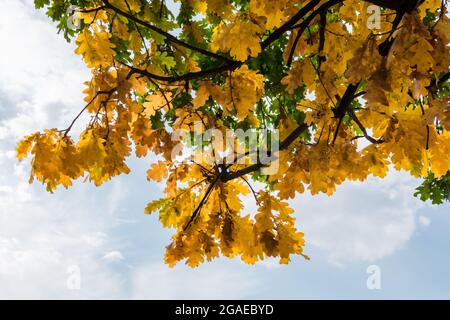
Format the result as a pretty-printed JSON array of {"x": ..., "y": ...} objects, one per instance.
[{"x": 354, "y": 88}]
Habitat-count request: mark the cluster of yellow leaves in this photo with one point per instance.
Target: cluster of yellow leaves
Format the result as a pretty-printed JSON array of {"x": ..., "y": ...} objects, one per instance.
[
  {"x": 146, "y": 138},
  {"x": 57, "y": 160},
  {"x": 301, "y": 73},
  {"x": 239, "y": 94},
  {"x": 221, "y": 229},
  {"x": 243, "y": 92},
  {"x": 241, "y": 37},
  {"x": 274, "y": 12},
  {"x": 157, "y": 172},
  {"x": 101, "y": 150},
  {"x": 321, "y": 167},
  {"x": 364, "y": 63},
  {"x": 128, "y": 5},
  {"x": 440, "y": 155},
  {"x": 221, "y": 8},
  {"x": 95, "y": 46},
  {"x": 392, "y": 85},
  {"x": 155, "y": 102}
]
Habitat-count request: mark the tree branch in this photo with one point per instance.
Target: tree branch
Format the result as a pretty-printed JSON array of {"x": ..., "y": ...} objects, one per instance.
[
  {"x": 290, "y": 23},
  {"x": 187, "y": 76},
  {"x": 305, "y": 23},
  {"x": 167, "y": 35},
  {"x": 109, "y": 92},
  {"x": 200, "y": 205},
  {"x": 227, "y": 176},
  {"x": 363, "y": 129}
]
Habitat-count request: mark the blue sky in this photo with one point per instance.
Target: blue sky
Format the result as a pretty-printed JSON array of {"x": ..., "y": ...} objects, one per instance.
[{"x": 118, "y": 249}]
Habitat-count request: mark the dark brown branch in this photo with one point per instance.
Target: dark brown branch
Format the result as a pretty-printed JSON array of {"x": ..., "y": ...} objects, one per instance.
[
  {"x": 343, "y": 107},
  {"x": 167, "y": 35},
  {"x": 305, "y": 23},
  {"x": 227, "y": 176},
  {"x": 336, "y": 131},
  {"x": 386, "y": 45},
  {"x": 289, "y": 24},
  {"x": 345, "y": 101},
  {"x": 66, "y": 131},
  {"x": 251, "y": 188},
  {"x": 339, "y": 112},
  {"x": 187, "y": 76},
  {"x": 402, "y": 7},
  {"x": 322, "y": 27},
  {"x": 91, "y": 10},
  {"x": 352, "y": 115},
  {"x": 398, "y": 5},
  {"x": 200, "y": 205}
]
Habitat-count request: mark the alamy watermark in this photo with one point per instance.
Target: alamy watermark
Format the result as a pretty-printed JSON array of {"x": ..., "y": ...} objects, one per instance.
[
  {"x": 374, "y": 18},
  {"x": 73, "y": 17},
  {"x": 227, "y": 146},
  {"x": 374, "y": 279},
  {"x": 73, "y": 281}
]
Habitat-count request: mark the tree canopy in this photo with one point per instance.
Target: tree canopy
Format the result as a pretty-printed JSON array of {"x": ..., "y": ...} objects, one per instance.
[{"x": 347, "y": 88}]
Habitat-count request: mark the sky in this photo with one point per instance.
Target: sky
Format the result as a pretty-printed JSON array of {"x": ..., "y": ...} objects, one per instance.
[{"x": 96, "y": 243}]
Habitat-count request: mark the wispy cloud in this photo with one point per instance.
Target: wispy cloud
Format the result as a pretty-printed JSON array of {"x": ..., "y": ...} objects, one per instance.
[
  {"x": 42, "y": 235},
  {"x": 362, "y": 221},
  {"x": 214, "y": 281}
]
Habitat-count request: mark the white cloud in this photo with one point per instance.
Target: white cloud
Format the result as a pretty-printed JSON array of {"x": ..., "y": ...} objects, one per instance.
[
  {"x": 361, "y": 221},
  {"x": 113, "y": 256},
  {"x": 41, "y": 77},
  {"x": 424, "y": 221},
  {"x": 41, "y": 235},
  {"x": 210, "y": 281}
]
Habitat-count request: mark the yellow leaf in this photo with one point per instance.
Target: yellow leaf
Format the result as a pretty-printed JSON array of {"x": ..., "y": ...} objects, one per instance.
[
  {"x": 201, "y": 96},
  {"x": 301, "y": 73},
  {"x": 24, "y": 146},
  {"x": 155, "y": 102},
  {"x": 158, "y": 171},
  {"x": 239, "y": 37},
  {"x": 245, "y": 90},
  {"x": 96, "y": 47}
]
